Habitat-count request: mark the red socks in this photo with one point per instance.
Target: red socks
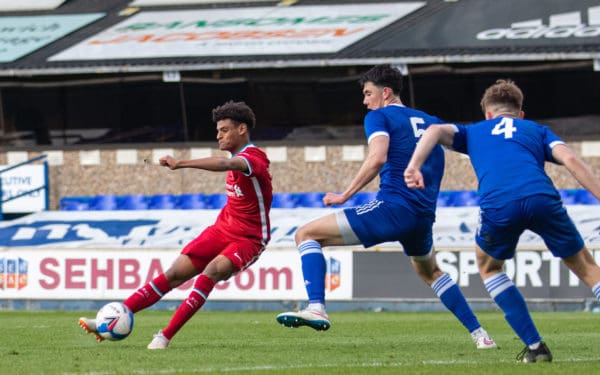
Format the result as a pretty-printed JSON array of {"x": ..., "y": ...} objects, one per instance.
[
  {"x": 202, "y": 288},
  {"x": 149, "y": 294}
]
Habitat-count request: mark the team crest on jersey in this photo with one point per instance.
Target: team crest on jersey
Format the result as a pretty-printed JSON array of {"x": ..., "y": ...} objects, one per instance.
[{"x": 237, "y": 191}]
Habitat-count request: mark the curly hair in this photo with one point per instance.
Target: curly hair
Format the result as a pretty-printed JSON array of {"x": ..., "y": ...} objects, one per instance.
[
  {"x": 502, "y": 96},
  {"x": 383, "y": 76},
  {"x": 238, "y": 112}
]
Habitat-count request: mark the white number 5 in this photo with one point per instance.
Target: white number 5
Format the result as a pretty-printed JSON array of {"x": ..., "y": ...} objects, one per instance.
[
  {"x": 505, "y": 127},
  {"x": 415, "y": 122}
]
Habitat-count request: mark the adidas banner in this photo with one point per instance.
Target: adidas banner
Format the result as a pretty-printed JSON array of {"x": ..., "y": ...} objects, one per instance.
[{"x": 475, "y": 24}]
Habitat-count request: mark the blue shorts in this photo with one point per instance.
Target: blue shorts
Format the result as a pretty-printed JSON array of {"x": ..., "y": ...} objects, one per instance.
[
  {"x": 378, "y": 221},
  {"x": 500, "y": 228}
]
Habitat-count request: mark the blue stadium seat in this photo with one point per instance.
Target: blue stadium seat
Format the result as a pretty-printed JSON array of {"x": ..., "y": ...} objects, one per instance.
[
  {"x": 568, "y": 196},
  {"x": 585, "y": 197},
  {"x": 463, "y": 198},
  {"x": 443, "y": 199},
  {"x": 162, "y": 202},
  {"x": 104, "y": 202},
  {"x": 284, "y": 200},
  {"x": 364, "y": 197},
  {"x": 311, "y": 199},
  {"x": 351, "y": 202},
  {"x": 75, "y": 203},
  {"x": 191, "y": 202},
  {"x": 216, "y": 201},
  {"x": 133, "y": 202}
]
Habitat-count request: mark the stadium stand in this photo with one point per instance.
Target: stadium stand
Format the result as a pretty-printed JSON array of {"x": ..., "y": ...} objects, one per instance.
[
  {"x": 285, "y": 200},
  {"x": 75, "y": 203},
  {"x": 191, "y": 202},
  {"x": 104, "y": 202},
  {"x": 133, "y": 202},
  {"x": 585, "y": 197},
  {"x": 460, "y": 198},
  {"x": 162, "y": 202}
]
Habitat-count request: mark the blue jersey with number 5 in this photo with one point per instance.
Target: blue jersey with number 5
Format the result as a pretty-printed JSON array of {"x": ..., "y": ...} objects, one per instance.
[
  {"x": 508, "y": 156},
  {"x": 404, "y": 126}
]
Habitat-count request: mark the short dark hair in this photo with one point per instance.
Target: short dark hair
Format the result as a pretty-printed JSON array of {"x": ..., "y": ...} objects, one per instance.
[
  {"x": 238, "y": 112},
  {"x": 383, "y": 76},
  {"x": 504, "y": 95}
]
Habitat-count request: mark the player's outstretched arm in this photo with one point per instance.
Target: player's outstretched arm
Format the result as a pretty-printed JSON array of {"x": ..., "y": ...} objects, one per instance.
[
  {"x": 376, "y": 158},
  {"x": 213, "y": 163},
  {"x": 442, "y": 134},
  {"x": 578, "y": 168}
]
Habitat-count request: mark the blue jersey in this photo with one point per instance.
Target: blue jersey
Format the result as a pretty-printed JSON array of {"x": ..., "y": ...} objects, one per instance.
[
  {"x": 404, "y": 126},
  {"x": 508, "y": 156}
]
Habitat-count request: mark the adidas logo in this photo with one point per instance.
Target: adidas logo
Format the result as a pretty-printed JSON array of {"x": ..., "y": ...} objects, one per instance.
[{"x": 561, "y": 25}]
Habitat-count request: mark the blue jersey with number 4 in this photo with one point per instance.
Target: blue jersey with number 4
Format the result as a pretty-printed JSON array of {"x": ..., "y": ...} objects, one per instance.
[
  {"x": 404, "y": 126},
  {"x": 508, "y": 156}
]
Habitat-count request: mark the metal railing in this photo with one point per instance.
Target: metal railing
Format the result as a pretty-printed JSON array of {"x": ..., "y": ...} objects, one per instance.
[{"x": 24, "y": 193}]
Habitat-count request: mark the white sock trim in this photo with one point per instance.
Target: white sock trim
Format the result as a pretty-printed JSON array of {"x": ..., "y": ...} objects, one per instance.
[
  {"x": 309, "y": 247},
  {"x": 442, "y": 284},
  {"x": 497, "y": 284},
  {"x": 596, "y": 290}
]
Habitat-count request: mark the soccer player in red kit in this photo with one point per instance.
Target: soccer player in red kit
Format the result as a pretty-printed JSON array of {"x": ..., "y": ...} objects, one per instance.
[{"x": 233, "y": 242}]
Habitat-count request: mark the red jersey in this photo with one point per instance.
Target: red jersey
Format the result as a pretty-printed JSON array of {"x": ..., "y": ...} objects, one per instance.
[{"x": 249, "y": 198}]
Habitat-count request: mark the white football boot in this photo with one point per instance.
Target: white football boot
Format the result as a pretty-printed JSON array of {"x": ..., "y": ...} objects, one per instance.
[
  {"x": 159, "y": 341},
  {"x": 482, "y": 340},
  {"x": 313, "y": 319}
]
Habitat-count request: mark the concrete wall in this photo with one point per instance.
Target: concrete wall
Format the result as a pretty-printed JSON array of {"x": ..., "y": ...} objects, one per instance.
[{"x": 294, "y": 168}]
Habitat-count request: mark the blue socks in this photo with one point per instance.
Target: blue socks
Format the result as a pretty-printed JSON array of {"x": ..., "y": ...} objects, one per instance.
[
  {"x": 455, "y": 301},
  {"x": 516, "y": 313},
  {"x": 314, "y": 269}
]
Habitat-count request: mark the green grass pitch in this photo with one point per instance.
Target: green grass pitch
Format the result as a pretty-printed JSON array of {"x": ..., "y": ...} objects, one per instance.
[{"x": 251, "y": 342}]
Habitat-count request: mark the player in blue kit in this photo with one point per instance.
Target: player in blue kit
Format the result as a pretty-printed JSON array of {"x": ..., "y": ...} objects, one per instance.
[
  {"x": 397, "y": 214},
  {"x": 508, "y": 154}
]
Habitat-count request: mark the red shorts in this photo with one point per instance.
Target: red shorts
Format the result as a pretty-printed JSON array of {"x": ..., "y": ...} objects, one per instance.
[{"x": 211, "y": 242}]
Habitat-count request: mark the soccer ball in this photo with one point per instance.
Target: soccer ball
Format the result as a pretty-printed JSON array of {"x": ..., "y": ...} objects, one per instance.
[{"x": 114, "y": 321}]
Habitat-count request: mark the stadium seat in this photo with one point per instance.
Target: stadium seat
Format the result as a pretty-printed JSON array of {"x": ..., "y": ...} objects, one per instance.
[
  {"x": 216, "y": 201},
  {"x": 311, "y": 199},
  {"x": 162, "y": 202},
  {"x": 75, "y": 203},
  {"x": 351, "y": 202},
  {"x": 443, "y": 199},
  {"x": 363, "y": 197},
  {"x": 585, "y": 197},
  {"x": 463, "y": 198},
  {"x": 104, "y": 202},
  {"x": 568, "y": 196},
  {"x": 191, "y": 202},
  {"x": 133, "y": 202},
  {"x": 284, "y": 200}
]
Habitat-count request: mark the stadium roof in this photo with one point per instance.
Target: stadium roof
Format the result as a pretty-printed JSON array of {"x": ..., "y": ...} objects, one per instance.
[{"x": 89, "y": 36}]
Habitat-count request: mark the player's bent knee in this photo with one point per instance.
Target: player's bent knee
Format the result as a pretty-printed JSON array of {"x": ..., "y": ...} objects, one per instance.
[
  {"x": 302, "y": 234},
  {"x": 219, "y": 268}
]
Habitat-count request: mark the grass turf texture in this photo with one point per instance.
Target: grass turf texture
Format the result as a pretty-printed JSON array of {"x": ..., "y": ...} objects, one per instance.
[{"x": 249, "y": 342}]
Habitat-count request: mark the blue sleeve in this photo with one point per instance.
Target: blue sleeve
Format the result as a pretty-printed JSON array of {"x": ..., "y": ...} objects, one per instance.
[
  {"x": 375, "y": 122},
  {"x": 550, "y": 140},
  {"x": 460, "y": 139}
]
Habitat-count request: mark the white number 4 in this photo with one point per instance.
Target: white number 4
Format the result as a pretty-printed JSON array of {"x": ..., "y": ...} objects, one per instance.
[{"x": 505, "y": 127}]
